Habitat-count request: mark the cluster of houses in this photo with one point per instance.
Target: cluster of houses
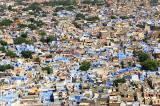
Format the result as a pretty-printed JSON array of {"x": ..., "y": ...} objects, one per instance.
[{"x": 79, "y": 53}]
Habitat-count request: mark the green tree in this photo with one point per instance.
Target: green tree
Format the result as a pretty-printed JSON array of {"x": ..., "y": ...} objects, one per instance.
[
  {"x": 34, "y": 7},
  {"x": 51, "y": 38},
  {"x": 93, "y": 2},
  {"x": 27, "y": 54},
  {"x": 32, "y": 26},
  {"x": 59, "y": 9},
  {"x": 43, "y": 40},
  {"x": 118, "y": 81},
  {"x": 142, "y": 56},
  {"x": 140, "y": 26},
  {"x": 48, "y": 69},
  {"x": 11, "y": 54},
  {"x": 6, "y": 22},
  {"x": 124, "y": 17},
  {"x": 85, "y": 65},
  {"x": 3, "y": 43},
  {"x": 5, "y": 67},
  {"x": 24, "y": 35},
  {"x": 10, "y": 8},
  {"x": 8, "y": 66},
  {"x": 3, "y": 8},
  {"x": 37, "y": 59},
  {"x": 122, "y": 64},
  {"x": 151, "y": 65},
  {"x": 39, "y": 23},
  {"x": 20, "y": 40},
  {"x": 35, "y": 24},
  {"x": 20, "y": 26},
  {"x": 48, "y": 39},
  {"x": 80, "y": 16},
  {"x": 70, "y": 8},
  {"x": 93, "y": 18},
  {"x": 146, "y": 40},
  {"x": 42, "y": 33},
  {"x": 54, "y": 14},
  {"x": 2, "y": 68},
  {"x": 33, "y": 13},
  {"x": 61, "y": 3},
  {"x": 2, "y": 49},
  {"x": 19, "y": 2},
  {"x": 113, "y": 17},
  {"x": 43, "y": 14},
  {"x": 76, "y": 24},
  {"x": 2, "y": 82}
]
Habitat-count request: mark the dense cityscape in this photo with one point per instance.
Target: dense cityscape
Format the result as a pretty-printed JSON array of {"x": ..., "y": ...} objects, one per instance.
[{"x": 79, "y": 52}]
